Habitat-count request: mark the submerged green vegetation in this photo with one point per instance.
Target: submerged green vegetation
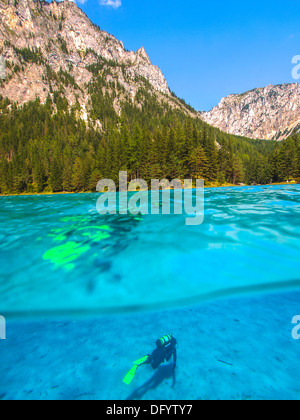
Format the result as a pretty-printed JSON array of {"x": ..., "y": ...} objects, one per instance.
[{"x": 47, "y": 148}]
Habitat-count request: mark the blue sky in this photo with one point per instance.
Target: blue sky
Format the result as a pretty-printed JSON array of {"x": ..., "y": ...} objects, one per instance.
[{"x": 207, "y": 49}]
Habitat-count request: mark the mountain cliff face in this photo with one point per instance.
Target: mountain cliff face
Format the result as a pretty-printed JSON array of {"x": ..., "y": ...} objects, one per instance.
[
  {"x": 54, "y": 47},
  {"x": 52, "y": 50},
  {"x": 271, "y": 113}
]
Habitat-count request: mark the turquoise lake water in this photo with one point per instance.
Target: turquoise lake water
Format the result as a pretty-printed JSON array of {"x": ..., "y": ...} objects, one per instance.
[{"x": 85, "y": 295}]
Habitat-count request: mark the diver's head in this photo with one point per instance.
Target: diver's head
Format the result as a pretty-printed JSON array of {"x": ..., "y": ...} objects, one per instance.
[{"x": 158, "y": 344}]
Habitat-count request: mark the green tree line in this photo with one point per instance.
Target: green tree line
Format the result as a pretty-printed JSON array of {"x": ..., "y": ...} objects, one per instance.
[{"x": 47, "y": 148}]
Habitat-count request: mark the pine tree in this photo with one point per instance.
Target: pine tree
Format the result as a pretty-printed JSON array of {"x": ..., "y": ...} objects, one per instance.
[
  {"x": 199, "y": 166},
  {"x": 55, "y": 178},
  {"x": 39, "y": 177}
]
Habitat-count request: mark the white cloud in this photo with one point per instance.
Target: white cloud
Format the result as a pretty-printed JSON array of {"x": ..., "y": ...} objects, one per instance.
[
  {"x": 78, "y": 1},
  {"x": 111, "y": 3}
]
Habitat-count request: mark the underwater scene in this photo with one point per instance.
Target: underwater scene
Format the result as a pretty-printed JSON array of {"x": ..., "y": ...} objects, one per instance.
[{"x": 86, "y": 296}]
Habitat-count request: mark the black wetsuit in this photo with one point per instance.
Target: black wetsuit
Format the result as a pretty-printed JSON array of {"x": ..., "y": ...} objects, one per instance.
[{"x": 163, "y": 353}]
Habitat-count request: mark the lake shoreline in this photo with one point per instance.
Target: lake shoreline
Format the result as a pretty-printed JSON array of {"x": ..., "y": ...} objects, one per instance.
[{"x": 94, "y": 192}]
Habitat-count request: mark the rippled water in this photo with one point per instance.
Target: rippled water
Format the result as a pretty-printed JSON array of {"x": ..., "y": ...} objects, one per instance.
[{"x": 59, "y": 256}]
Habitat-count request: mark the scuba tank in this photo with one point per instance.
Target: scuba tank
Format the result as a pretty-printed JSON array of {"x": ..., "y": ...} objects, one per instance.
[{"x": 164, "y": 341}]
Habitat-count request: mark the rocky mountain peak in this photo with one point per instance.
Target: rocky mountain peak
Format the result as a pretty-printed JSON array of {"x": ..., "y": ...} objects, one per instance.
[
  {"x": 143, "y": 54},
  {"x": 270, "y": 113},
  {"x": 42, "y": 41}
]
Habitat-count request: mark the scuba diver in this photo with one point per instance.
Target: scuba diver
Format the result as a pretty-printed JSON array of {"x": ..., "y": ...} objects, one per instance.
[{"x": 166, "y": 347}]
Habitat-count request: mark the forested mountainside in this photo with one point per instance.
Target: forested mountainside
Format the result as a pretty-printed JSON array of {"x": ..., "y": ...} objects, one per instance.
[{"x": 42, "y": 151}]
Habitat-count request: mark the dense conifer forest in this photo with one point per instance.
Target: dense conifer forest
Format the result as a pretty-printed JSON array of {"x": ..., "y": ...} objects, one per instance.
[{"x": 48, "y": 148}]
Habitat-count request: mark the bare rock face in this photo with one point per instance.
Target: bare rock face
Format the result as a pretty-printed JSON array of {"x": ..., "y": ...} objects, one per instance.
[
  {"x": 43, "y": 42},
  {"x": 271, "y": 113}
]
